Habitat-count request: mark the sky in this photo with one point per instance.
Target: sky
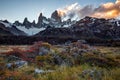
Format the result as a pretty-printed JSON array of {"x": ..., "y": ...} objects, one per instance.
[{"x": 13, "y": 10}]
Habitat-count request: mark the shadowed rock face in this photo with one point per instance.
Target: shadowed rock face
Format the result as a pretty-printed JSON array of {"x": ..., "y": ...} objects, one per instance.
[
  {"x": 55, "y": 32},
  {"x": 40, "y": 19},
  {"x": 8, "y": 29},
  {"x": 4, "y": 31},
  {"x": 55, "y": 16},
  {"x": 26, "y": 23}
]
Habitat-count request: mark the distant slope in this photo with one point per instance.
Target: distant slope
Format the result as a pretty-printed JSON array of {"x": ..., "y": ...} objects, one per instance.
[
  {"x": 4, "y": 31},
  {"x": 9, "y": 28}
]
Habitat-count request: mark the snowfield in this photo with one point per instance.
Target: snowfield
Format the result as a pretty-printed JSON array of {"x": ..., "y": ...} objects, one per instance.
[{"x": 30, "y": 31}]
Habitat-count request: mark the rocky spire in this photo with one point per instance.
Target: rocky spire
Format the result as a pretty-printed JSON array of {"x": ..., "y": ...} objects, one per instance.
[
  {"x": 56, "y": 16},
  {"x": 40, "y": 19},
  {"x": 25, "y": 20}
]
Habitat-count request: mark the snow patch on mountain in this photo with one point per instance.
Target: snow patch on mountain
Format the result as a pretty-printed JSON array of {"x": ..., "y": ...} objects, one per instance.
[
  {"x": 45, "y": 21},
  {"x": 6, "y": 24},
  {"x": 118, "y": 23},
  {"x": 30, "y": 31}
]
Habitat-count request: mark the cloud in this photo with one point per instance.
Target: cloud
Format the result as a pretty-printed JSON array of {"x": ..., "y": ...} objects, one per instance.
[
  {"x": 69, "y": 11},
  {"x": 86, "y": 11},
  {"x": 107, "y": 10}
]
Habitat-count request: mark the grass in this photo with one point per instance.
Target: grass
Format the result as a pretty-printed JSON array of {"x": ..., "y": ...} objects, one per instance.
[
  {"x": 113, "y": 74},
  {"x": 110, "y": 55},
  {"x": 75, "y": 73}
]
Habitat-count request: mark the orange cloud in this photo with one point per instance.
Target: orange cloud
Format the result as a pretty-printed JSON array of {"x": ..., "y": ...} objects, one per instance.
[
  {"x": 107, "y": 15},
  {"x": 107, "y": 10}
]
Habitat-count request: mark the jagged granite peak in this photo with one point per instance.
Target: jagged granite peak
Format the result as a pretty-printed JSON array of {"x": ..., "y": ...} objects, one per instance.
[
  {"x": 17, "y": 23},
  {"x": 56, "y": 16},
  {"x": 25, "y": 20},
  {"x": 40, "y": 20},
  {"x": 26, "y": 23}
]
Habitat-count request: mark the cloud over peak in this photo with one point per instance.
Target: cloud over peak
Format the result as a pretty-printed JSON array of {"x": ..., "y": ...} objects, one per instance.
[
  {"x": 106, "y": 10},
  {"x": 69, "y": 11}
]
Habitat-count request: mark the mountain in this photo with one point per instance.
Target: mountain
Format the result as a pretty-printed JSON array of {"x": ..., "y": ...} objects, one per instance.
[
  {"x": 7, "y": 28},
  {"x": 32, "y": 28},
  {"x": 40, "y": 21},
  {"x": 55, "y": 26},
  {"x": 86, "y": 28},
  {"x": 56, "y": 16},
  {"x": 4, "y": 31},
  {"x": 26, "y": 23},
  {"x": 56, "y": 32},
  {"x": 98, "y": 28}
]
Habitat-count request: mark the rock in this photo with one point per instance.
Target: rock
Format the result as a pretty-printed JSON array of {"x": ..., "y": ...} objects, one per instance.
[
  {"x": 33, "y": 23},
  {"x": 94, "y": 74},
  {"x": 57, "y": 59},
  {"x": 39, "y": 71},
  {"x": 56, "y": 16},
  {"x": 40, "y": 20},
  {"x": 18, "y": 64},
  {"x": 17, "y": 23},
  {"x": 26, "y": 23},
  {"x": 43, "y": 51}
]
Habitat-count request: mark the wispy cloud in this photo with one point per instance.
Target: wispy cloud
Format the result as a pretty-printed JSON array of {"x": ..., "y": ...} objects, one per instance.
[{"x": 106, "y": 10}]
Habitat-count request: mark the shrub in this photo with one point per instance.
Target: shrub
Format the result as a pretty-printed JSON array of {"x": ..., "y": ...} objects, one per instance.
[
  {"x": 47, "y": 45},
  {"x": 40, "y": 58}
]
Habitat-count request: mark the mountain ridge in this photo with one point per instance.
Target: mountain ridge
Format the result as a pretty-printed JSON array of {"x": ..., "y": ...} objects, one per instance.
[{"x": 88, "y": 27}]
